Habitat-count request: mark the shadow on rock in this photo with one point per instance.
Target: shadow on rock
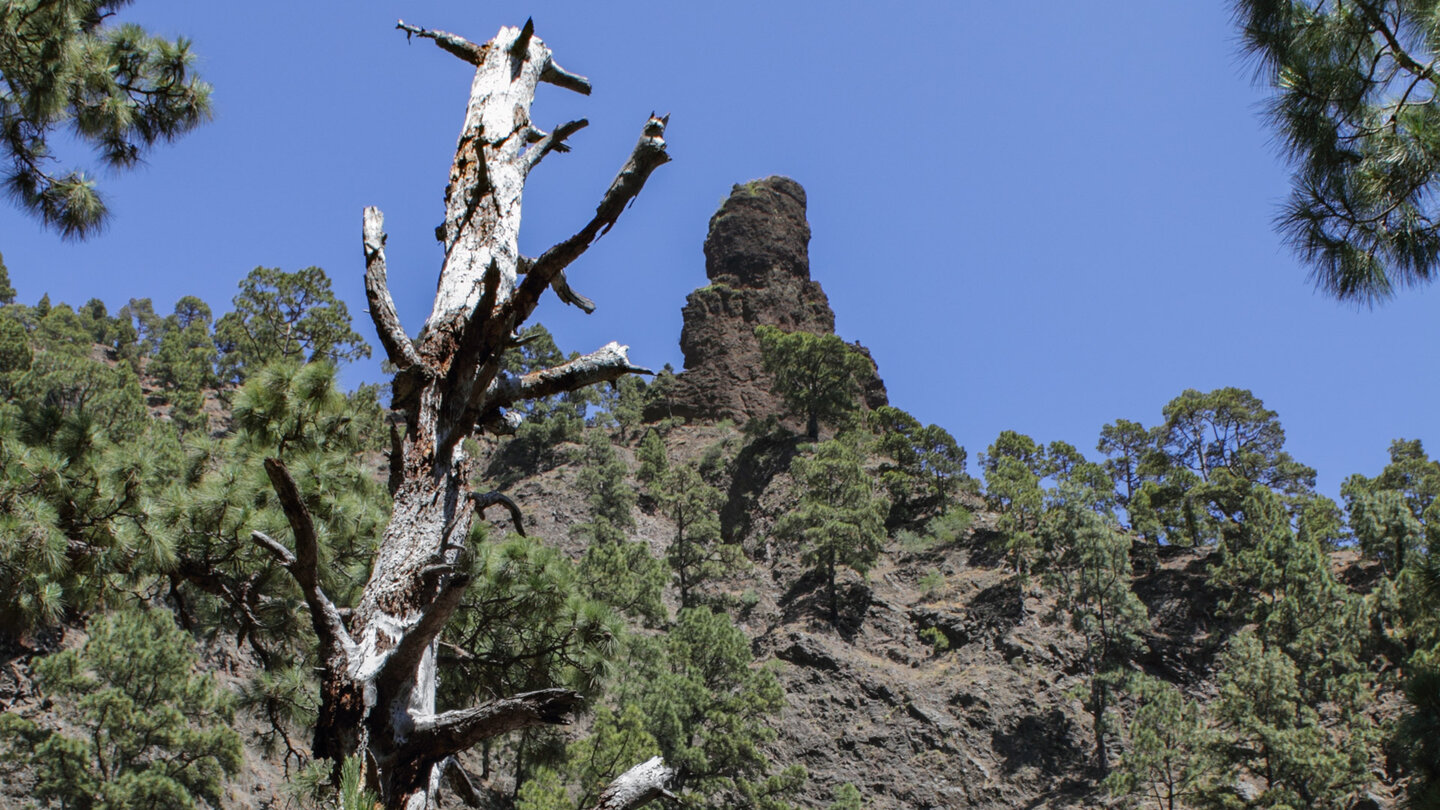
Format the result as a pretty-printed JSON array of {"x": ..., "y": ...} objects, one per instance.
[{"x": 1044, "y": 741}]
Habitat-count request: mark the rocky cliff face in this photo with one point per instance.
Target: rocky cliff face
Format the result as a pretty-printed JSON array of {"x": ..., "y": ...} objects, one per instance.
[{"x": 757, "y": 257}]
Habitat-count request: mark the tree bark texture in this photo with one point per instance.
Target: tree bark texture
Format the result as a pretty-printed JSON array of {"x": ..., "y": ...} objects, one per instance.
[{"x": 378, "y": 680}]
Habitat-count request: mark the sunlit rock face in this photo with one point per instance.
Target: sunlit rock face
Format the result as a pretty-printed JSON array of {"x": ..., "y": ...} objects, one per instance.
[{"x": 757, "y": 257}]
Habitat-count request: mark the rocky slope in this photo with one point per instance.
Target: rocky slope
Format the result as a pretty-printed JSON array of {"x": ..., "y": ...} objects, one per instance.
[
  {"x": 991, "y": 717},
  {"x": 988, "y": 719}
]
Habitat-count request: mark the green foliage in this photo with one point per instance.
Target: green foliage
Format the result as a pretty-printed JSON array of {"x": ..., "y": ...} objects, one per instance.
[
  {"x": 1418, "y": 733},
  {"x": 279, "y": 316},
  {"x": 525, "y": 623},
  {"x": 353, "y": 795},
  {"x": 931, "y": 583},
  {"x": 622, "y": 573},
  {"x": 1282, "y": 584},
  {"x": 659, "y": 396},
  {"x": 114, "y": 88},
  {"x": 818, "y": 376},
  {"x": 839, "y": 520},
  {"x": 184, "y": 361},
  {"x": 622, "y": 404},
  {"x": 148, "y": 731},
  {"x": 1396, "y": 520},
  {"x": 1089, "y": 570},
  {"x": 936, "y": 638},
  {"x": 72, "y": 497},
  {"x": 1014, "y": 466},
  {"x": 7, "y": 292},
  {"x": 1275, "y": 737},
  {"x": 697, "y": 554},
  {"x": 1391, "y": 515},
  {"x": 1182, "y": 481},
  {"x": 847, "y": 797},
  {"x": 15, "y": 352},
  {"x": 139, "y": 329},
  {"x": 219, "y": 493},
  {"x": 617, "y": 742},
  {"x": 693, "y": 696},
  {"x": 547, "y": 421},
  {"x": 544, "y": 790},
  {"x": 1231, "y": 429},
  {"x": 926, "y": 465},
  {"x": 1170, "y": 760},
  {"x": 614, "y": 570},
  {"x": 1128, "y": 446},
  {"x": 710, "y": 711},
  {"x": 602, "y": 479},
  {"x": 654, "y": 459},
  {"x": 1355, "y": 111}
]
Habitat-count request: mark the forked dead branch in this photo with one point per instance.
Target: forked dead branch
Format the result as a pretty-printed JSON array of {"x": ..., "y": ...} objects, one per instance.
[{"x": 378, "y": 680}]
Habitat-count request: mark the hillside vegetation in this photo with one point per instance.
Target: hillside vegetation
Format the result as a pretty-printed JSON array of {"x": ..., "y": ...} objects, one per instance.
[{"x": 793, "y": 591}]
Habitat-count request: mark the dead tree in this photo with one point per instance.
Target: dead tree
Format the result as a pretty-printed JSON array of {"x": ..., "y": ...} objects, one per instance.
[{"x": 378, "y": 673}]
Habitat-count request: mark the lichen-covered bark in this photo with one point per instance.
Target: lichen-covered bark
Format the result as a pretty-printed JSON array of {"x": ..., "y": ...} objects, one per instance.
[{"x": 378, "y": 683}]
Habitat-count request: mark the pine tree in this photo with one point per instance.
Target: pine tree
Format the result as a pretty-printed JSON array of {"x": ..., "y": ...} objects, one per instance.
[
  {"x": 818, "y": 376},
  {"x": 7, "y": 292},
  {"x": 1089, "y": 569},
  {"x": 602, "y": 479},
  {"x": 654, "y": 459},
  {"x": 1127, "y": 444},
  {"x": 1274, "y": 735},
  {"x": 545, "y": 422},
  {"x": 1014, "y": 466},
  {"x": 711, "y": 711},
  {"x": 1355, "y": 111},
  {"x": 839, "y": 520},
  {"x": 184, "y": 361},
  {"x": 616, "y": 741},
  {"x": 622, "y": 405},
  {"x": 1170, "y": 758},
  {"x": 77, "y": 460},
  {"x": 697, "y": 553},
  {"x": 116, "y": 88},
  {"x": 928, "y": 466},
  {"x": 847, "y": 797},
  {"x": 297, "y": 416},
  {"x": 285, "y": 316},
  {"x": 15, "y": 352},
  {"x": 148, "y": 731},
  {"x": 525, "y": 624}
]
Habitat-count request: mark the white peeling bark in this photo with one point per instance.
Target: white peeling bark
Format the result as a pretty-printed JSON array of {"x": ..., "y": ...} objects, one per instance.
[
  {"x": 487, "y": 181},
  {"x": 638, "y": 786},
  {"x": 378, "y": 678}
]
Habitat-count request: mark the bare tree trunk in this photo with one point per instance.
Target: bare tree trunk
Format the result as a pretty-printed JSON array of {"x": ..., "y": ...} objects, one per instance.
[{"x": 378, "y": 680}]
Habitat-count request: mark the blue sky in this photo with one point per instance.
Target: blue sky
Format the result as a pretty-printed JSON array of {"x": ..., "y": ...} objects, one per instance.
[{"x": 1039, "y": 217}]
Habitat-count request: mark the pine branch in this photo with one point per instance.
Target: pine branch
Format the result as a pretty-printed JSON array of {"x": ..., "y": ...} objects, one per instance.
[
  {"x": 335, "y": 642},
  {"x": 638, "y": 786},
  {"x": 486, "y": 500},
  {"x": 377, "y": 292},
  {"x": 453, "y": 43},
  {"x": 552, "y": 142},
  {"x": 560, "y": 285},
  {"x": 648, "y": 155},
  {"x": 441, "y": 735},
  {"x": 607, "y": 364},
  {"x": 560, "y": 77},
  {"x": 403, "y": 660}
]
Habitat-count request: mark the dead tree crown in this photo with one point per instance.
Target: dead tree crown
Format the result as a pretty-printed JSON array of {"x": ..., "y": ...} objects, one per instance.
[{"x": 378, "y": 672}]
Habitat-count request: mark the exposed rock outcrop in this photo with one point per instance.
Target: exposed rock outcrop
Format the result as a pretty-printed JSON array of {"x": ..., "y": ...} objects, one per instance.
[{"x": 757, "y": 257}]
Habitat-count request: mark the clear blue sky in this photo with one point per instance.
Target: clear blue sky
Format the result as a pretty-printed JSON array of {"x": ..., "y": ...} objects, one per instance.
[{"x": 1039, "y": 217}]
